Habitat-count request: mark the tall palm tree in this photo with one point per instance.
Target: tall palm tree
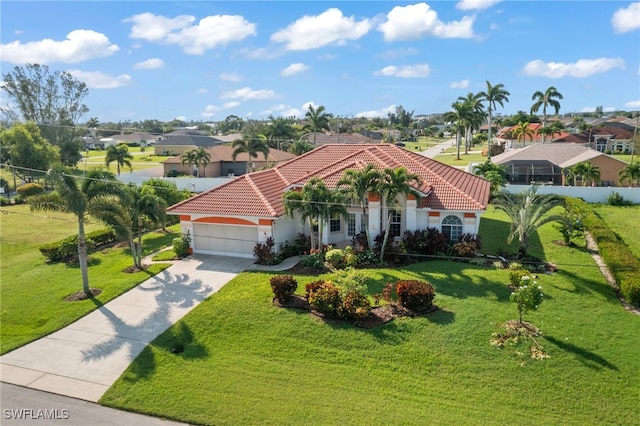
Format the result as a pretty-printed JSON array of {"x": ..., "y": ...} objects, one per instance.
[
  {"x": 190, "y": 158},
  {"x": 527, "y": 211},
  {"x": 119, "y": 154},
  {"x": 551, "y": 98},
  {"x": 202, "y": 157},
  {"x": 92, "y": 125},
  {"x": 392, "y": 184},
  {"x": 318, "y": 119},
  {"x": 252, "y": 145},
  {"x": 474, "y": 100},
  {"x": 280, "y": 131},
  {"x": 80, "y": 199},
  {"x": 522, "y": 132},
  {"x": 631, "y": 174},
  {"x": 493, "y": 95},
  {"x": 315, "y": 204},
  {"x": 358, "y": 185},
  {"x": 460, "y": 116}
]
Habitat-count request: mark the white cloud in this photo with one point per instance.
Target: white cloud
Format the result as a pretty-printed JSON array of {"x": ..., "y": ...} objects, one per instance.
[
  {"x": 149, "y": 64},
  {"x": 419, "y": 20},
  {"x": 202, "y": 91},
  {"x": 462, "y": 84},
  {"x": 379, "y": 113},
  {"x": 633, "y": 104},
  {"x": 627, "y": 19},
  {"x": 99, "y": 80},
  {"x": 211, "y": 110},
  {"x": 294, "y": 69},
  {"x": 405, "y": 71},
  {"x": 397, "y": 53},
  {"x": 180, "y": 118},
  {"x": 247, "y": 93},
  {"x": 475, "y": 4},
  {"x": 312, "y": 32},
  {"x": 194, "y": 39},
  {"x": 580, "y": 69},
  {"x": 229, "y": 76},
  {"x": 80, "y": 45}
]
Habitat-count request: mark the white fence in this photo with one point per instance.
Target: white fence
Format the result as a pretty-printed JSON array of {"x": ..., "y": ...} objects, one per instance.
[
  {"x": 590, "y": 194},
  {"x": 191, "y": 184}
]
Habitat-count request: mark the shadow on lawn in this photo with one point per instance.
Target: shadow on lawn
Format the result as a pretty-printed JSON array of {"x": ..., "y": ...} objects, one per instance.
[
  {"x": 589, "y": 359},
  {"x": 582, "y": 285},
  {"x": 172, "y": 293}
]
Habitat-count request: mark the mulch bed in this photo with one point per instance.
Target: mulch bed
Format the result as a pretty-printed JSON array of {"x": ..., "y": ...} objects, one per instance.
[
  {"x": 81, "y": 295},
  {"x": 379, "y": 315}
]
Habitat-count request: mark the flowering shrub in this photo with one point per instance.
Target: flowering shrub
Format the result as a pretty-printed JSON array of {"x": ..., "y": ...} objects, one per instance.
[
  {"x": 335, "y": 258},
  {"x": 415, "y": 295},
  {"x": 355, "y": 306},
  {"x": 326, "y": 299},
  {"x": 528, "y": 296},
  {"x": 516, "y": 274},
  {"x": 264, "y": 252},
  {"x": 283, "y": 286},
  {"x": 315, "y": 260},
  {"x": 182, "y": 244}
]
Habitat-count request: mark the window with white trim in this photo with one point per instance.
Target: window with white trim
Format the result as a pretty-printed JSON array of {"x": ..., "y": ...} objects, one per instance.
[
  {"x": 395, "y": 226},
  {"x": 351, "y": 224},
  {"x": 334, "y": 224},
  {"x": 452, "y": 228}
]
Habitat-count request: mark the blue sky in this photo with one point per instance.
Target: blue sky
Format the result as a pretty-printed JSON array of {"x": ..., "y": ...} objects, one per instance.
[{"x": 206, "y": 60}]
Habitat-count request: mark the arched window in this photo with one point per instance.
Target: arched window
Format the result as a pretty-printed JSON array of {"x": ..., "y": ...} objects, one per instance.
[{"x": 452, "y": 228}]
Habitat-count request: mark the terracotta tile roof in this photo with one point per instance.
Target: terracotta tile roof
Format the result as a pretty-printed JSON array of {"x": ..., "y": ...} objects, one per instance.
[
  {"x": 225, "y": 152},
  {"x": 259, "y": 194}
]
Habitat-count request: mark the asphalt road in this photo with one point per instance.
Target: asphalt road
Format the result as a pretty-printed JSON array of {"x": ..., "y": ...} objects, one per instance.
[{"x": 25, "y": 407}]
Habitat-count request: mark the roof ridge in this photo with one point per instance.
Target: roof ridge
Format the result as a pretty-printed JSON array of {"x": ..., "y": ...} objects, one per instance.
[{"x": 260, "y": 194}]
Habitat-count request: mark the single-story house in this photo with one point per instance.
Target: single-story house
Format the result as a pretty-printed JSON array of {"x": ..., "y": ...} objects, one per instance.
[
  {"x": 176, "y": 144},
  {"x": 221, "y": 162},
  {"x": 507, "y": 136},
  {"x": 141, "y": 138},
  {"x": 545, "y": 163},
  {"x": 230, "y": 219}
]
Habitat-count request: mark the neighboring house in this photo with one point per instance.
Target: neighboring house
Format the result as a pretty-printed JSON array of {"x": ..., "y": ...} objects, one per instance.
[
  {"x": 612, "y": 138},
  {"x": 230, "y": 137},
  {"x": 507, "y": 136},
  {"x": 232, "y": 218},
  {"x": 176, "y": 144},
  {"x": 141, "y": 138},
  {"x": 222, "y": 164},
  {"x": 546, "y": 163},
  {"x": 337, "y": 138}
]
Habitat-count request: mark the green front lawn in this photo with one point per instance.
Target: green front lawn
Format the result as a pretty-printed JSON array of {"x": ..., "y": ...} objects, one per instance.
[
  {"x": 32, "y": 292},
  {"x": 624, "y": 222},
  {"x": 249, "y": 362}
]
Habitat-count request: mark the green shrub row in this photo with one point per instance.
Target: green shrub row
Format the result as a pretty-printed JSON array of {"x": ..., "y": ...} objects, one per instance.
[
  {"x": 615, "y": 253},
  {"x": 68, "y": 247}
]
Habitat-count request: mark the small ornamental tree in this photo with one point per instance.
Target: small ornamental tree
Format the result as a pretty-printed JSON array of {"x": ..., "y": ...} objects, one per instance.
[{"x": 527, "y": 297}]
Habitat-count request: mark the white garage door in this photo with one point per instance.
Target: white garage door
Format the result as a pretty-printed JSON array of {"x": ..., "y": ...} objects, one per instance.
[{"x": 226, "y": 240}]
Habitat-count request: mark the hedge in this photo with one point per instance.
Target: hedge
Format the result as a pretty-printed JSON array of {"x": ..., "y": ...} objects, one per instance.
[
  {"x": 68, "y": 247},
  {"x": 624, "y": 266}
]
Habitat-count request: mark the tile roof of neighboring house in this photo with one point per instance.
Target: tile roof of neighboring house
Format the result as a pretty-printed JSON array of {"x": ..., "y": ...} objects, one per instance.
[
  {"x": 225, "y": 152},
  {"x": 259, "y": 194},
  {"x": 560, "y": 154},
  {"x": 230, "y": 137},
  {"x": 188, "y": 140},
  {"x": 610, "y": 131},
  {"x": 536, "y": 136},
  {"x": 334, "y": 138}
]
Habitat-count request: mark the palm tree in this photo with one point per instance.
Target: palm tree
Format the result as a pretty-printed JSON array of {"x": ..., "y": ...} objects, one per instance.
[
  {"x": 494, "y": 173},
  {"x": 318, "y": 119},
  {"x": 493, "y": 95},
  {"x": 475, "y": 118},
  {"x": 570, "y": 175},
  {"x": 190, "y": 158},
  {"x": 252, "y": 145},
  {"x": 315, "y": 204},
  {"x": 80, "y": 200},
  {"x": 359, "y": 184},
  {"x": 630, "y": 173},
  {"x": 202, "y": 158},
  {"x": 127, "y": 215},
  {"x": 119, "y": 154},
  {"x": 299, "y": 147},
  {"x": 522, "y": 131},
  {"x": 460, "y": 115},
  {"x": 527, "y": 212},
  {"x": 392, "y": 184},
  {"x": 280, "y": 130},
  {"x": 551, "y": 98},
  {"x": 92, "y": 125},
  {"x": 589, "y": 172}
]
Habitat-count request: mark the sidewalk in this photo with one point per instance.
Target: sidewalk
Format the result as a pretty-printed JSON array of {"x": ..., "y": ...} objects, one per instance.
[{"x": 85, "y": 358}]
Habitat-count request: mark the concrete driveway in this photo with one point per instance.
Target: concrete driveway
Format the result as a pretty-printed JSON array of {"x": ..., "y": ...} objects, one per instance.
[{"x": 85, "y": 358}]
